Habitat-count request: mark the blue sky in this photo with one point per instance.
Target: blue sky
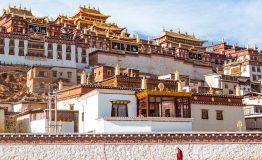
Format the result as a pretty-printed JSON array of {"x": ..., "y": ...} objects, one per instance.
[{"x": 238, "y": 21}]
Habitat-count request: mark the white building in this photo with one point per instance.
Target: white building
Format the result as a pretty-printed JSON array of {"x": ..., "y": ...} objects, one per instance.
[
  {"x": 37, "y": 121},
  {"x": 228, "y": 84},
  {"x": 112, "y": 110},
  {"x": 253, "y": 111},
  {"x": 18, "y": 51}
]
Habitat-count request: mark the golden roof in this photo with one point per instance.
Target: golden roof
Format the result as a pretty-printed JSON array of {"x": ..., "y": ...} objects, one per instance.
[
  {"x": 90, "y": 11},
  {"x": 163, "y": 93},
  {"x": 21, "y": 12},
  {"x": 182, "y": 36},
  {"x": 107, "y": 26}
]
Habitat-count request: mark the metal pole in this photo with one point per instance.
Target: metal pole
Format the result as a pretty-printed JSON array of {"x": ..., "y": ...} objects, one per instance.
[
  {"x": 49, "y": 112},
  {"x": 55, "y": 94}
]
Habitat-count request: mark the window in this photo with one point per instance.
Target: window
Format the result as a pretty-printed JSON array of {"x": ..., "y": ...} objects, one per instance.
[
  {"x": 226, "y": 85},
  {"x": 99, "y": 73},
  {"x": 230, "y": 92},
  {"x": 119, "y": 110},
  {"x": 68, "y": 56},
  {"x": 254, "y": 77},
  {"x": 258, "y": 69},
  {"x": 69, "y": 74},
  {"x": 54, "y": 73},
  {"x": 61, "y": 74},
  {"x": 108, "y": 72},
  {"x": 204, "y": 114},
  {"x": 253, "y": 69},
  {"x": 71, "y": 106},
  {"x": 219, "y": 115},
  {"x": 83, "y": 116},
  {"x": 41, "y": 74}
]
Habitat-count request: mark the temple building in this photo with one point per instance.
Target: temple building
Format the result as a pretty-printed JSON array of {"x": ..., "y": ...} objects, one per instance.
[
  {"x": 170, "y": 39},
  {"x": 87, "y": 39}
]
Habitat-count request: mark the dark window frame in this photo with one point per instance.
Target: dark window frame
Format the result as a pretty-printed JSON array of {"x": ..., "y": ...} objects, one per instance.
[
  {"x": 116, "y": 108},
  {"x": 219, "y": 115},
  {"x": 204, "y": 113}
]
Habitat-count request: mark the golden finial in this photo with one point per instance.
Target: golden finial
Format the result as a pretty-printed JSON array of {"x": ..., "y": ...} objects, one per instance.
[
  {"x": 20, "y": 6},
  {"x": 137, "y": 38},
  {"x": 255, "y": 47},
  {"x": 94, "y": 8},
  {"x": 89, "y": 6},
  {"x": 247, "y": 46},
  {"x": 14, "y": 6},
  {"x": 179, "y": 30},
  {"x": 98, "y": 9},
  {"x": 164, "y": 29}
]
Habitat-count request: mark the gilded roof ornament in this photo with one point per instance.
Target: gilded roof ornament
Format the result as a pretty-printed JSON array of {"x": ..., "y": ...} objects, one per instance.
[{"x": 137, "y": 38}]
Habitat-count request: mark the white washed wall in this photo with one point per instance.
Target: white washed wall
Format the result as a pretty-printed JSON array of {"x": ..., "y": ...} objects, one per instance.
[
  {"x": 141, "y": 126},
  {"x": 231, "y": 116},
  {"x": 155, "y": 64},
  {"x": 30, "y": 61},
  {"x": 213, "y": 151}
]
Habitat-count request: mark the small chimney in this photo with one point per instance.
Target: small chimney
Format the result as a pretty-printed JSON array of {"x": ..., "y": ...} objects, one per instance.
[
  {"x": 88, "y": 80},
  {"x": 60, "y": 85},
  {"x": 83, "y": 78},
  {"x": 179, "y": 86},
  {"x": 238, "y": 90},
  {"x": 117, "y": 70},
  {"x": 144, "y": 83},
  {"x": 24, "y": 31},
  {"x": 247, "y": 46},
  {"x": 223, "y": 40},
  {"x": 211, "y": 91},
  {"x": 177, "y": 75}
]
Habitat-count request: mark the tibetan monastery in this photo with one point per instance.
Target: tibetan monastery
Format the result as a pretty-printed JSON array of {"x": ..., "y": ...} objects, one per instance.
[{"x": 87, "y": 39}]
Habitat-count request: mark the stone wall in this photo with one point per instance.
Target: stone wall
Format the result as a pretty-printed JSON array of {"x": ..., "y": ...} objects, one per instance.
[
  {"x": 159, "y": 146},
  {"x": 131, "y": 151}
]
